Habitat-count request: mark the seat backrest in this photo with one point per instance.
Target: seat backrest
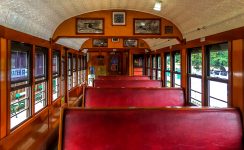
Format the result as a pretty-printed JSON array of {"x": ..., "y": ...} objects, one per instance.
[
  {"x": 137, "y": 129},
  {"x": 127, "y": 83},
  {"x": 123, "y": 78},
  {"x": 134, "y": 97}
]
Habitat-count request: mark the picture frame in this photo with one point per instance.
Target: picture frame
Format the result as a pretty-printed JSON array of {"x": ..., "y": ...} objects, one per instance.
[
  {"x": 147, "y": 26},
  {"x": 100, "y": 42},
  {"x": 118, "y": 18},
  {"x": 115, "y": 39},
  {"x": 89, "y": 26},
  {"x": 130, "y": 43}
]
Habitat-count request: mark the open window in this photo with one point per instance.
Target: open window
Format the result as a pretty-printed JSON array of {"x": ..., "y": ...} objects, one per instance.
[
  {"x": 167, "y": 70},
  {"x": 176, "y": 69}
]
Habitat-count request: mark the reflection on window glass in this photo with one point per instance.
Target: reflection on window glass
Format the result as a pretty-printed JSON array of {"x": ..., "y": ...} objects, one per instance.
[
  {"x": 74, "y": 79},
  {"x": 177, "y": 62},
  {"x": 39, "y": 64},
  {"x": 55, "y": 63},
  {"x": 167, "y": 62},
  {"x": 218, "y": 58},
  {"x": 196, "y": 91},
  {"x": 19, "y": 106},
  {"x": 159, "y": 75},
  {"x": 159, "y": 62},
  {"x": 196, "y": 62},
  {"x": 168, "y": 76},
  {"x": 218, "y": 94},
  {"x": 70, "y": 82},
  {"x": 40, "y": 96},
  {"x": 56, "y": 92},
  {"x": 19, "y": 65},
  {"x": 177, "y": 80},
  {"x": 154, "y": 62}
]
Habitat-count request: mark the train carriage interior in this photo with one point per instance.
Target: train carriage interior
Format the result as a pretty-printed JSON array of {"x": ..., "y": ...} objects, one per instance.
[{"x": 121, "y": 75}]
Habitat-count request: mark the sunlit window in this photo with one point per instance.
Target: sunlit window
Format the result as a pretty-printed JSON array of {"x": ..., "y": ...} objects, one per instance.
[
  {"x": 70, "y": 77},
  {"x": 167, "y": 70},
  {"x": 158, "y": 67},
  {"x": 195, "y": 76},
  {"x": 177, "y": 69},
  {"x": 217, "y": 71},
  {"x": 40, "y": 78},
  {"x": 56, "y": 74},
  {"x": 148, "y": 65},
  {"x": 154, "y": 67},
  {"x": 74, "y": 66},
  {"x": 20, "y": 97}
]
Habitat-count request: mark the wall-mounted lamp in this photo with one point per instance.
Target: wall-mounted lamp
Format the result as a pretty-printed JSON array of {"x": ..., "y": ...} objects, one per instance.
[{"x": 157, "y": 5}]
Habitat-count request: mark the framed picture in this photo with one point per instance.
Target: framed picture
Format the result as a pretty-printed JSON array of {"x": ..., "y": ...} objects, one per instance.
[
  {"x": 102, "y": 42},
  {"x": 147, "y": 26},
  {"x": 130, "y": 42},
  {"x": 89, "y": 26},
  {"x": 115, "y": 39},
  {"x": 118, "y": 18}
]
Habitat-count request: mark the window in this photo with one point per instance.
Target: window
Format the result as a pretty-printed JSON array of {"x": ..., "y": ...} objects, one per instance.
[
  {"x": 158, "y": 67},
  {"x": 56, "y": 74},
  {"x": 74, "y": 69},
  {"x": 79, "y": 69},
  {"x": 217, "y": 75},
  {"x": 167, "y": 70},
  {"x": 149, "y": 65},
  {"x": 154, "y": 67},
  {"x": 83, "y": 69},
  {"x": 195, "y": 76},
  {"x": 70, "y": 78},
  {"x": 176, "y": 69},
  {"x": 40, "y": 78},
  {"x": 20, "y": 97}
]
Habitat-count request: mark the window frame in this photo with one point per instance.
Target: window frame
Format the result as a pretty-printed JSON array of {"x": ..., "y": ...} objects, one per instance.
[
  {"x": 190, "y": 74},
  {"x": 22, "y": 47},
  {"x": 216, "y": 79},
  {"x": 175, "y": 72},
  {"x": 56, "y": 75},
  {"x": 41, "y": 79}
]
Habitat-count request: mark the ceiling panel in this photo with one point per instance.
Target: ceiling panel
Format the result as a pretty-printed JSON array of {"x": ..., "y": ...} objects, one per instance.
[
  {"x": 74, "y": 43},
  {"x": 41, "y": 17}
]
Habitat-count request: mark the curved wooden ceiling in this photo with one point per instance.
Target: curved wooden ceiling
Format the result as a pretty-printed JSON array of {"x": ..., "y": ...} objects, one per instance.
[{"x": 195, "y": 19}]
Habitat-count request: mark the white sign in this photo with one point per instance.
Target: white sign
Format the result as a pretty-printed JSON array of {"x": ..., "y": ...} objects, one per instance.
[{"x": 18, "y": 73}]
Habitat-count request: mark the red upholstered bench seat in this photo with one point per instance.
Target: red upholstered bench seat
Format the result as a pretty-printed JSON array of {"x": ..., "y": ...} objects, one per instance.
[
  {"x": 123, "y": 78},
  {"x": 133, "y": 97},
  {"x": 127, "y": 83},
  {"x": 151, "y": 129}
]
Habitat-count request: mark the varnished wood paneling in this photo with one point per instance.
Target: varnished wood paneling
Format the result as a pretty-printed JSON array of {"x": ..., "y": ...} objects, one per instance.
[
  {"x": 238, "y": 74},
  {"x": 3, "y": 84}
]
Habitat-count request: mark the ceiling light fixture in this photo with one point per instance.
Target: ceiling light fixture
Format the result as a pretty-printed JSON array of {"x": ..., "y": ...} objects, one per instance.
[{"x": 157, "y": 5}]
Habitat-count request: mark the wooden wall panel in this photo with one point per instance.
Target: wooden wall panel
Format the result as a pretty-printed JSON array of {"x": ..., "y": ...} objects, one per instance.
[
  {"x": 3, "y": 85},
  {"x": 67, "y": 28},
  {"x": 238, "y": 74}
]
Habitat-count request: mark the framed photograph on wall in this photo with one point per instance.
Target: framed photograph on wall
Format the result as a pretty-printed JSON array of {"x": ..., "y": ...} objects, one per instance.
[
  {"x": 130, "y": 42},
  {"x": 118, "y": 18},
  {"x": 89, "y": 26},
  {"x": 101, "y": 42},
  {"x": 147, "y": 26}
]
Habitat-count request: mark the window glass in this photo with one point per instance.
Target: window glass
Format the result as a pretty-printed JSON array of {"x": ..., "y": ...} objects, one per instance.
[
  {"x": 56, "y": 92},
  {"x": 40, "y": 96},
  {"x": 196, "y": 91},
  {"x": 177, "y": 80},
  {"x": 177, "y": 62},
  {"x": 159, "y": 62},
  {"x": 55, "y": 63},
  {"x": 218, "y": 94},
  {"x": 19, "y": 106},
  {"x": 168, "y": 76},
  {"x": 167, "y": 61},
  {"x": 218, "y": 58},
  {"x": 196, "y": 62},
  {"x": 19, "y": 65}
]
